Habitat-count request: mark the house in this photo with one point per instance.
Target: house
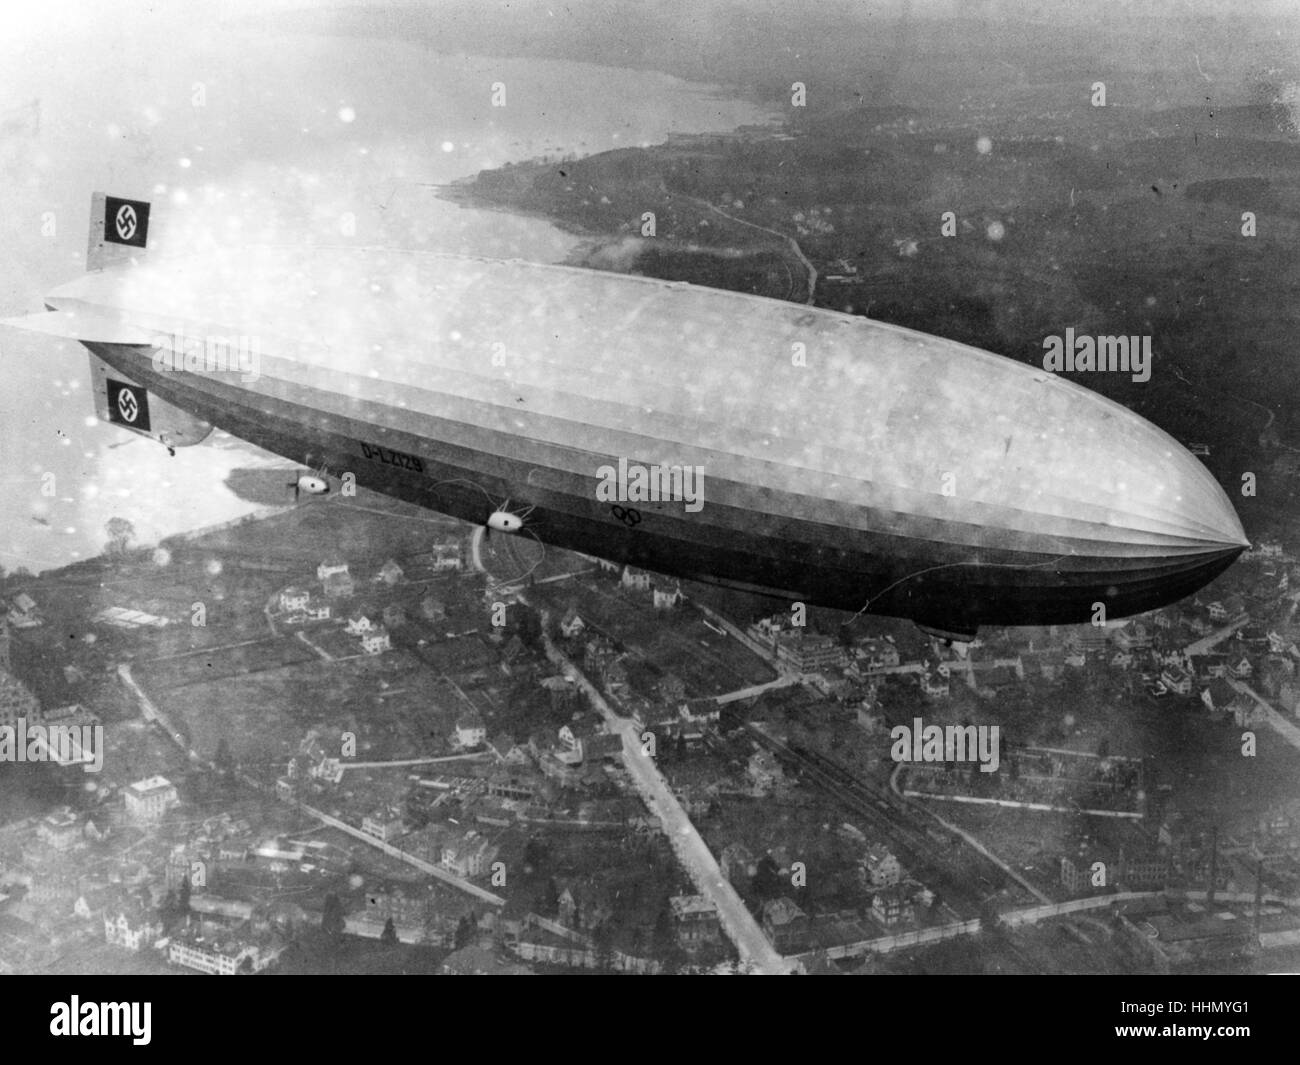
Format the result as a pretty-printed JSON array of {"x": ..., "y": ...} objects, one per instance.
[
  {"x": 935, "y": 684},
  {"x": 637, "y": 580},
  {"x": 785, "y": 925},
  {"x": 358, "y": 623},
  {"x": 60, "y": 830},
  {"x": 696, "y": 921},
  {"x": 316, "y": 612},
  {"x": 877, "y": 653},
  {"x": 22, "y": 614},
  {"x": 1246, "y": 713},
  {"x": 331, "y": 567},
  {"x": 1218, "y": 695},
  {"x": 806, "y": 652},
  {"x": 505, "y": 748},
  {"x": 470, "y": 730},
  {"x": 515, "y": 788},
  {"x": 737, "y": 863},
  {"x": 469, "y": 855},
  {"x": 390, "y": 573},
  {"x": 879, "y": 868},
  {"x": 1176, "y": 679},
  {"x": 1210, "y": 666},
  {"x": 764, "y": 770},
  {"x": 294, "y": 599},
  {"x": 1226, "y": 609},
  {"x": 1121, "y": 659},
  {"x": 1134, "y": 636},
  {"x": 128, "y": 924},
  {"x": 376, "y": 642},
  {"x": 1279, "y": 644},
  {"x": 668, "y": 598},
  {"x": 572, "y": 625},
  {"x": 568, "y": 748},
  {"x": 385, "y": 825},
  {"x": 148, "y": 800},
  {"x": 1240, "y": 667},
  {"x": 892, "y": 905}
]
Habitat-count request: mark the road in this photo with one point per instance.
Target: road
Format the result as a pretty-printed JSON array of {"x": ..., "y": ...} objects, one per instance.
[
  {"x": 794, "y": 244},
  {"x": 755, "y": 689},
  {"x": 1205, "y": 643},
  {"x": 153, "y": 714},
  {"x": 1276, "y": 719},
  {"x": 738, "y": 923}
]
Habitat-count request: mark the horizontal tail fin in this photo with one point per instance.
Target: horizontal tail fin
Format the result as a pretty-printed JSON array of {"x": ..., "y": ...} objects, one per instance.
[
  {"x": 83, "y": 325},
  {"x": 119, "y": 230}
]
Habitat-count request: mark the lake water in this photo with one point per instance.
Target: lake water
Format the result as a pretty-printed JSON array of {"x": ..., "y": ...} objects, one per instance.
[{"x": 238, "y": 134}]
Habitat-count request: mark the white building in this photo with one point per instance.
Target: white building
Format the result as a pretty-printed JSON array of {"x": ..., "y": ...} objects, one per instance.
[
  {"x": 148, "y": 800},
  {"x": 330, "y": 568},
  {"x": 294, "y": 599}
]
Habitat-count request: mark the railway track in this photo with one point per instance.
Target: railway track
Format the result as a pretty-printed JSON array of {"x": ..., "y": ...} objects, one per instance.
[{"x": 963, "y": 885}]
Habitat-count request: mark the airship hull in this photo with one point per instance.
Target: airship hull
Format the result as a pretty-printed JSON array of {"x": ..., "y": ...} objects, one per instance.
[
  {"x": 705, "y": 434},
  {"x": 801, "y": 519}
]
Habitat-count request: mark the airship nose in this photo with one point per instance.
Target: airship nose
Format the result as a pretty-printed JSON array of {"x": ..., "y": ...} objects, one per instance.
[{"x": 1205, "y": 509}]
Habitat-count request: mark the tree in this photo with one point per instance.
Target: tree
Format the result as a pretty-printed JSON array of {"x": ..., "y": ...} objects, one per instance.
[
  {"x": 464, "y": 932},
  {"x": 767, "y": 882},
  {"x": 389, "y": 935},
  {"x": 602, "y": 937},
  {"x": 120, "y": 533},
  {"x": 535, "y": 852},
  {"x": 333, "y": 921}
]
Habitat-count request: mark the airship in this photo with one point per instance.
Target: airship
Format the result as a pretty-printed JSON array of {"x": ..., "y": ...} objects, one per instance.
[{"x": 715, "y": 436}]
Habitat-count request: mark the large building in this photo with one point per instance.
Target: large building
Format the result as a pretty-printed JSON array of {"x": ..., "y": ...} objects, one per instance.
[
  {"x": 224, "y": 955},
  {"x": 148, "y": 800}
]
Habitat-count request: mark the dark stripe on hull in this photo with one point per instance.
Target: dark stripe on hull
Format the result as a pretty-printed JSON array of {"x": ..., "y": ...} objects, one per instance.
[{"x": 944, "y": 585}]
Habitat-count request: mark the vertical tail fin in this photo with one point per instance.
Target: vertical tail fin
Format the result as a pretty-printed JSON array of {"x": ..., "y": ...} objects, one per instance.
[{"x": 119, "y": 230}]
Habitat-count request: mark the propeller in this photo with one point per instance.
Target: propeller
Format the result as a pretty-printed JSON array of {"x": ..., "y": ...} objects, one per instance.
[{"x": 313, "y": 484}]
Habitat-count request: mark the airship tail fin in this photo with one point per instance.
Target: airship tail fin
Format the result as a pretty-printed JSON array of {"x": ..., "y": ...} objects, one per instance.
[
  {"x": 120, "y": 401},
  {"x": 119, "y": 230}
]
